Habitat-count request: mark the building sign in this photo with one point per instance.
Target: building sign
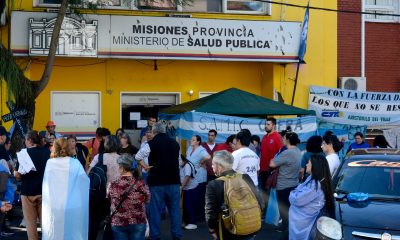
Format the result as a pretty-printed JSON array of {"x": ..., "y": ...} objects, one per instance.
[
  {"x": 75, "y": 39},
  {"x": 355, "y": 107},
  {"x": 160, "y": 37},
  {"x": 191, "y": 123}
]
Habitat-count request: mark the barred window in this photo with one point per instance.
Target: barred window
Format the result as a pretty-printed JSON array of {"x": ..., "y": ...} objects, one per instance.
[{"x": 382, "y": 6}]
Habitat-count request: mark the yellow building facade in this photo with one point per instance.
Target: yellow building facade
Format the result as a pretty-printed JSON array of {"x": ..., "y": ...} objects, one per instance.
[{"x": 131, "y": 85}]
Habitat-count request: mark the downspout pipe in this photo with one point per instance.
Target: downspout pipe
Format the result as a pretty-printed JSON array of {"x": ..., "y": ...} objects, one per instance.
[{"x": 363, "y": 39}]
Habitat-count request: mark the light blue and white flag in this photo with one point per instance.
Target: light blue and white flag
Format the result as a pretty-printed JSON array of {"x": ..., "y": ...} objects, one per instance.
[
  {"x": 197, "y": 123},
  {"x": 65, "y": 200},
  {"x": 304, "y": 34}
]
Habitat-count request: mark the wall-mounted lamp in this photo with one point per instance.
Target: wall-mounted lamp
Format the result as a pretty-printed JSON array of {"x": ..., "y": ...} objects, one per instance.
[
  {"x": 155, "y": 65},
  {"x": 190, "y": 92}
]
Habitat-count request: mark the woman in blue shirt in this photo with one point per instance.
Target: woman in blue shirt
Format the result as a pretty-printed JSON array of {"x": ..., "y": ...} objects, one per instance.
[
  {"x": 198, "y": 155},
  {"x": 311, "y": 198}
]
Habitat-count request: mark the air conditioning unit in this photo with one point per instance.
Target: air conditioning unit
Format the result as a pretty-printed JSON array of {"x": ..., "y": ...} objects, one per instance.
[{"x": 353, "y": 83}]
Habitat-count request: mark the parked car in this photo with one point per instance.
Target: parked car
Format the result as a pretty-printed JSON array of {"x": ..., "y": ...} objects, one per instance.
[{"x": 367, "y": 192}]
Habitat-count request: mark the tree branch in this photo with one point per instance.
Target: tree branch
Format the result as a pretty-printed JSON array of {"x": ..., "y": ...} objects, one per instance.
[{"x": 52, "y": 51}]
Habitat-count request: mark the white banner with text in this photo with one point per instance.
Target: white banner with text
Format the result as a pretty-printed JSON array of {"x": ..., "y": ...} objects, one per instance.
[{"x": 355, "y": 107}]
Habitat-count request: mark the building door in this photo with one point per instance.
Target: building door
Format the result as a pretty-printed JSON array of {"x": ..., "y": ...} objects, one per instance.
[{"x": 136, "y": 108}]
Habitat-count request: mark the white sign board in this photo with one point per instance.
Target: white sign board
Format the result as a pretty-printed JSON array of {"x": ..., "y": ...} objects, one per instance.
[
  {"x": 355, "y": 107},
  {"x": 77, "y": 112},
  {"x": 170, "y": 38},
  {"x": 190, "y": 38},
  {"x": 134, "y": 116},
  {"x": 141, "y": 123}
]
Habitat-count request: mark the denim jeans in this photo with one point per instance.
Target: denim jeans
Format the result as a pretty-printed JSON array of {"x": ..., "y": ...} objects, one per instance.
[
  {"x": 130, "y": 232},
  {"x": 168, "y": 195}
]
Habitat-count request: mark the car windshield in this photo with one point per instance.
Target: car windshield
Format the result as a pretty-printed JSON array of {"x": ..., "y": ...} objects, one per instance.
[{"x": 370, "y": 176}]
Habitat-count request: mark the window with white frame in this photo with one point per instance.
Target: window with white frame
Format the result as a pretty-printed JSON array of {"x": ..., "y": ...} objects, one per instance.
[
  {"x": 377, "y": 7},
  {"x": 228, "y": 6},
  {"x": 203, "y": 6},
  {"x": 211, "y": 6},
  {"x": 245, "y": 7},
  {"x": 118, "y": 4}
]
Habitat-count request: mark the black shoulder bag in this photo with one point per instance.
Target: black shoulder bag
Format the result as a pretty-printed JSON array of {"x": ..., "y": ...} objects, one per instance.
[{"x": 108, "y": 235}]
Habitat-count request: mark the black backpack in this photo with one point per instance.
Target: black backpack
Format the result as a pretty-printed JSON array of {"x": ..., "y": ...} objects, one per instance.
[
  {"x": 193, "y": 171},
  {"x": 98, "y": 181}
]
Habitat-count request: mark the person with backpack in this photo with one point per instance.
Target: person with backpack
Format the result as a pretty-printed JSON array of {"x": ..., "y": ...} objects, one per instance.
[
  {"x": 189, "y": 193},
  {"x": 103, "y": 170},
  {"x": 233, "y": 204},
  {"x": 199, "y": 156}
]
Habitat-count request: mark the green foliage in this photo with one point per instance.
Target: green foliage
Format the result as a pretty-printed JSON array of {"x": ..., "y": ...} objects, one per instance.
[{"x": 19, "y": 88}]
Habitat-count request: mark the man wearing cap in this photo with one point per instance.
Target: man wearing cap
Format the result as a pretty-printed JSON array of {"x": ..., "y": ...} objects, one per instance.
[{"x": 50, "y": 128}]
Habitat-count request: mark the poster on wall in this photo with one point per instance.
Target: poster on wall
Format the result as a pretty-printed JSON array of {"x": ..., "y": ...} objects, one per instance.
[
  {"x": 76, "y": 112},
  {"x": 355, "y": 107}
]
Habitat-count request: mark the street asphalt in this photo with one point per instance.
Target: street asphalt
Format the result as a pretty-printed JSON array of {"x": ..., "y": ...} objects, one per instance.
[{"x": 201, "y": 233}]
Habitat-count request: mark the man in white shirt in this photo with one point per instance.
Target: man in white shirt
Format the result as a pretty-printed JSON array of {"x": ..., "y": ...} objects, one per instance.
[
  {"x": 331, "y": 146},
  {"x": 245, "y": 160}
]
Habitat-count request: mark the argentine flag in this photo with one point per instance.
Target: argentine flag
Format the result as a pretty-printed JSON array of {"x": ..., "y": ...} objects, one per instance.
[
  {"x": 303, "y": 37},
  {"x": 65, "y": 200}
]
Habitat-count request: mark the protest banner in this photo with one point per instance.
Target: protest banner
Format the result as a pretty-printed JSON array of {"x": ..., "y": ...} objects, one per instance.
[
  {"x": 197, "y": 123},
  {"x": 355, "y": 107}
]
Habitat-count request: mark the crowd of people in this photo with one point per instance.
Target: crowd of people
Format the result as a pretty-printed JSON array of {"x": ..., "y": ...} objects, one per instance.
[{"x": 107, "y": 180}]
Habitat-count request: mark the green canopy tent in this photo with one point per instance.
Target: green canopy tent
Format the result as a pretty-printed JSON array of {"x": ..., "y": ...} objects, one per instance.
[{"x": 236, "y": 102}]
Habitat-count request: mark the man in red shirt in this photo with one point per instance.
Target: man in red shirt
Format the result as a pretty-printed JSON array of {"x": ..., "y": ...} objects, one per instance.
[
  {"x": 210, "y": 146},
  {"x": 271, "y": 143}
]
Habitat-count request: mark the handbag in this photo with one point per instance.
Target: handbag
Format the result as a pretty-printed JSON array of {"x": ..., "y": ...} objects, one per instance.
[
  {"x": 272, "y": 179},
  {"x": 272, "y": 214},
  {"x": 108, "y": 235}
]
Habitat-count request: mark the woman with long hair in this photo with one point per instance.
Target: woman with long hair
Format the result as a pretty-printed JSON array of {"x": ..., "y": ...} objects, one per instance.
[
  {"x": 380, "y": 142},
  {"x": 313, "y": 146},
  {"x": 128, "y": 195},
  {"x": 126, "y": 145},
  {"x": 311, "y": 199},
  {"x": 65, "y": 195}
]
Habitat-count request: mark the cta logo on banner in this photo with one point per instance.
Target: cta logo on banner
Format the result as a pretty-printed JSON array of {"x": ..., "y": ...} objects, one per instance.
[{"x": 355, "y": 107}]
